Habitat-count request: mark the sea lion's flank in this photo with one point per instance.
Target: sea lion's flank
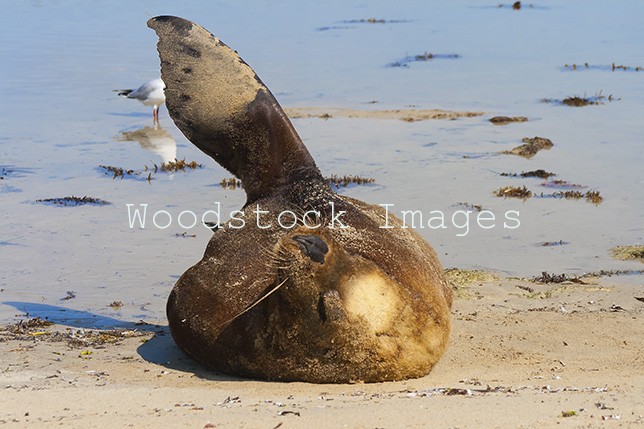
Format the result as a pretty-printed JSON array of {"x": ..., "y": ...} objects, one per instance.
[{"x": 325, "y": 305}]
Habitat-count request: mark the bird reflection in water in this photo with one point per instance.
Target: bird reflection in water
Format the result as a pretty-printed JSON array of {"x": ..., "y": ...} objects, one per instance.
[{"x": 154, "y": 139}]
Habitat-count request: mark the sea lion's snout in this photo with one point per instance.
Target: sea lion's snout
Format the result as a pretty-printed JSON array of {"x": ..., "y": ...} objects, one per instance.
[{"x": 312, "y": 246}]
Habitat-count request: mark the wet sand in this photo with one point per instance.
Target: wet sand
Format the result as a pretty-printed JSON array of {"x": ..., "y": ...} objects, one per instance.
[
  {"x": 522, "y": 354},
  {"x": 407, "y": 115}
]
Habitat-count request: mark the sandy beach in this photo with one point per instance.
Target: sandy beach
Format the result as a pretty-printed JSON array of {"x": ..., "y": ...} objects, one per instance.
[
  {"x": 462, "y": 107},
  {"x": 522, "y": 354}
]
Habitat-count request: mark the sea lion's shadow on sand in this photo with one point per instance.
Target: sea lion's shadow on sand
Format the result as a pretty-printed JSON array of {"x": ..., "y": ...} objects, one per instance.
[
  {"x": 159, "y": 350},
  {"x": 162, "y": 350}
]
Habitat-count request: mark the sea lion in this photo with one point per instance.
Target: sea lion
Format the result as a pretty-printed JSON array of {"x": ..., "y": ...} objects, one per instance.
[{"x": 345, "y": 301}]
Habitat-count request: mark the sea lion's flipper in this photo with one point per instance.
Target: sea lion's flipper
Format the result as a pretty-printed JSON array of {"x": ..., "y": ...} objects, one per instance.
[
  {"x": 222, "y": 107},
  {"x": 234, "y": 273}
]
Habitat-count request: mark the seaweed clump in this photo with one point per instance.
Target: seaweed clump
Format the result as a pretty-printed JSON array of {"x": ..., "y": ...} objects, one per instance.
[
  {"x": 577, "y": 101},
  {"x": 375, "y": 21},
  {"x": 590, "y": 196},
  {"x": 554, "y": 243},
  {"x": 117, "y": 171},
  {"x": 74, "y": 201},
  {"x": 343, "y": 181},
  {"x": 530, "y": 147},
  {"x": 561, "y": 184},
  {"x": 230, "y": 183},
  {"x": 179, "y": 165},
  {"x": 513, "y": 192},
  {"x": 24, "y": 326},
  {"x": 426, "y": 56},
  {"x": 542, "y": 174},
  {"x": 477, "y": 207},
  {"x": 504, "y": 120},
  {"x": 628, "y": 252},
  {"x": 613, "y": 67},
  {"x": 545, "y": 277}
]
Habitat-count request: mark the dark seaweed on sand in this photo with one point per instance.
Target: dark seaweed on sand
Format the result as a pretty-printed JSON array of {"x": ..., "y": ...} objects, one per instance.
[
  {"x": 545, "y": 277},
  {"x": 513, "y": 192},
  {"x": 593, "y": 197},
  {"x": 554, "y": 243},
  {"x": 476, "y": 207}
]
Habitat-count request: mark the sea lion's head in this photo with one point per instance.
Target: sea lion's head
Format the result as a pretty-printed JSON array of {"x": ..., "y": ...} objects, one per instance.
[{"x": 322, "y": 279}]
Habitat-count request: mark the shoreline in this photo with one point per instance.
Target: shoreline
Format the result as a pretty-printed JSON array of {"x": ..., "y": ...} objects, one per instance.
[{"x": 407, "y": 115}]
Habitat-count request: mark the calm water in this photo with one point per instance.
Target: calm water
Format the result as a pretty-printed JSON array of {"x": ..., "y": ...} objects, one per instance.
[{"x": 60, "y": 120}]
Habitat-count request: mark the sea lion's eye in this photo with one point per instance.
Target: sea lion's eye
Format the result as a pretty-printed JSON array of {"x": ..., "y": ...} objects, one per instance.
[{"x": 312, "y": 246}]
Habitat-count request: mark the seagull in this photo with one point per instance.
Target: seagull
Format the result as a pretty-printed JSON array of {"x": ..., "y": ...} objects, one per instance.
[{"x": 150, "y": 94}]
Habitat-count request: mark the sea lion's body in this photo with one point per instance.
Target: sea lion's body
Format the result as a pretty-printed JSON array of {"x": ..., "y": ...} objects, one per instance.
[{"x": 347, "y": 301}]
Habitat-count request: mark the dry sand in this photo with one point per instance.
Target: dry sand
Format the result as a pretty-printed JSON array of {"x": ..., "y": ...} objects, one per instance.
[
  {"x": 408, "y": 115},
  {"x": 522, "y": 354}
]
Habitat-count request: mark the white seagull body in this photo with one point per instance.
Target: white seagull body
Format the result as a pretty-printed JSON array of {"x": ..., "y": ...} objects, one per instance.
[{"x": 150, "y": 94}]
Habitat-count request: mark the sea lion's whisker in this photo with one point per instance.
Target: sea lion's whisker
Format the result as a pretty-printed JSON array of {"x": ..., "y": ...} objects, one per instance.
[
  {"x": 266, "y": 251},
  {"x": 253, "y": 304}
]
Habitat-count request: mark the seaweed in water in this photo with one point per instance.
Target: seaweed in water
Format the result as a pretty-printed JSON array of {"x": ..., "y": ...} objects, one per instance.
[
  {"x": 230, "y": 183},
  {"x": 542, "y": 174},
  {"x": 476, "y": 207},
  {"x": 577, "y": 101},
  {"x": 427, "y": 56},
  {"x": 342, "y": 181},
  {"x": 375, "y": 21},
  {"x": 74, "y": 201},
  {"x": 117, "y": 171},
  {"x": 516, "y": 5},
  {"x": 179, "y": 165},
  {"x": 612, "y": 67}
]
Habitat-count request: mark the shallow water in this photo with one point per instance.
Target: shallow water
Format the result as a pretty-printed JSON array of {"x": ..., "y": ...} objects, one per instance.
[{"x": 60, "y": 120}]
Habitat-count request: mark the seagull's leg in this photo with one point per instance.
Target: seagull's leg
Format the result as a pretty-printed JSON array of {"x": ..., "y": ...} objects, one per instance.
[{"x": 155, "y": 114}]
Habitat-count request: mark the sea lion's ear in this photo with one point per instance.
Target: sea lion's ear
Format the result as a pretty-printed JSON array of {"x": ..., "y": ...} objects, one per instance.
[{"x": 222, "y": 107}]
